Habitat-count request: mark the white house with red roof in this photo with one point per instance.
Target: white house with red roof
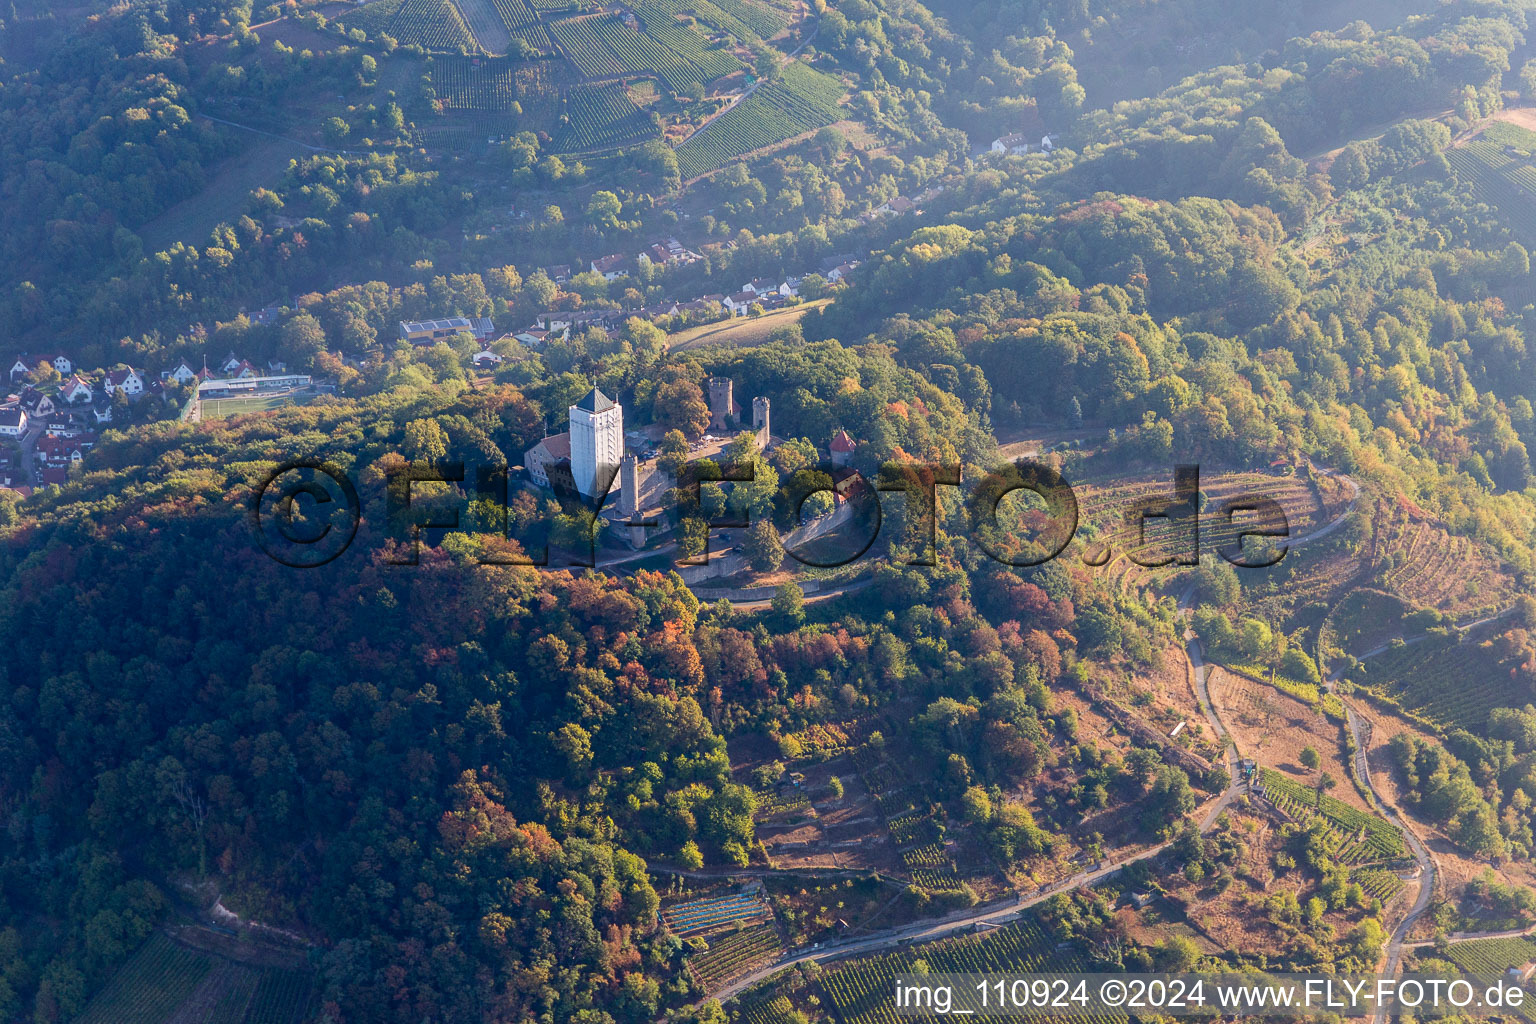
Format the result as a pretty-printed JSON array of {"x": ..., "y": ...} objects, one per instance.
[
  {"x": 76, "y": 390},
  {"x": 125, "y": 379}
]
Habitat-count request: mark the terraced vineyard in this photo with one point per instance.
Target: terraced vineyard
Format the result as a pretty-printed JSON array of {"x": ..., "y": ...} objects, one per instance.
[
  {"x": 712, "y": 912},
  {"x": 165, "y": 981},
  {"x": 743, "y": 19},
  {"x": 1359, "y": 837},
  {"x": 1377, "y": 882},
  {"x": 434, "y": 25},
  {"x": 733, "y": 954},
  {"x": 776, "y": 1010},
  {"x": 1424, "y": 563},
  {"x": 1497, "y": 165},
  {"x": 599, "y": 117},
  {"x": 1492, "y": 957},
  {"x": 861, "y": 990},
  {"x": 604, "y": 45},
  {"x": 480, "y": 84},
  {"x": 156, "y": 980},
  {"x": 910, "y": 819},
  {"x": 515, "y": 14},
  {"x": 1415, "y": 675},
  {"x": 802, "y": 100}
]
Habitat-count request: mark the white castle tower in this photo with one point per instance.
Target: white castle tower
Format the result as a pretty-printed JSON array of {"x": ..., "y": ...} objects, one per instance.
[{"x": 597, "y": 442}]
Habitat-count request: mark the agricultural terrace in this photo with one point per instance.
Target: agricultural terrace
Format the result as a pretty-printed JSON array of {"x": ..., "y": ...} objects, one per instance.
[
  {"x": 1357, "y": 836},
  {"x": 1420, "y": 561},
  {"x": 913, "y": 822},
  {"x": 731, "y": 954},
  {"x": 1106, "y": 508},
  {"x": 481, "y": 97},
  {"x": 1273, "y": 727},
  {"x": 1364, "y": 621},
  {"x": 434, "y": 25},
  {"x": 600, "y": 116},
  {"x": 1492, "y": 956},
  {"x": 165, "y": 981},
  {"x": 702, "y": 915},
  {"x": 1499, "y": 165},
  {"x": 604, "y": 45},
  {"x": 861, "y": 990},
  {"x": 1492, "y": 667},
  {"x": 801, "y": 100}
]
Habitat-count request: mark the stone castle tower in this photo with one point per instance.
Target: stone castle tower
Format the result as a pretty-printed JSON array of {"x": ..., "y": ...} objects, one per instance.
[
  {"x": 760, "y": 425},
  {"x": 722, "y": 404}
]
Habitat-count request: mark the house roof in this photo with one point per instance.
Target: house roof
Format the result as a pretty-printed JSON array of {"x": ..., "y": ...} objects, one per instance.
[
  {"x": 841, "y": 442},
  {"x": 595, "y": 401},
  {"x": 605, "y": 264},
  {"x": 119, "y": 376},
  {"x": 556, "y": 446},
  {"x": 75, "y": 380},
  {"x": 11, "y": 416}
]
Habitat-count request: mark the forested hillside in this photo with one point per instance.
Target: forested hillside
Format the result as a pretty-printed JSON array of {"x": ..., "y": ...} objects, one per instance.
[{"x": 427, "y": 781}]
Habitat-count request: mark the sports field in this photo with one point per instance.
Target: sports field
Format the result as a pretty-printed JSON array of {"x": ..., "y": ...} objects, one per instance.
[{"x": 219, "y": 408}]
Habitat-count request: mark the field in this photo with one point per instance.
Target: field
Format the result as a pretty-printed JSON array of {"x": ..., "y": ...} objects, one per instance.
[
  {"x": 219, "y": 408},
  {"x": 1273, "y": 727},
  {"x": 743, "y": 19},
  {"x": 1492, "y": 956},
  {"x": 801, "y": 100},
  {"x": 600, "y": 117},
  {"x": 1359, "y": 837},
  {"x": 741, "y": 331},
  {"x": 434, "y": 25},
  {"x": 1487, "y": 669},
  {"x": 605, "y": 46},
  {"x": 861, "y": 990},
  {"x": 223, "y": 198},
  {"x": 485, "y": 23},
  {"x": 1498, "y": 166},
  {"x": 734, "y": 953},
  {"x": 476, "y": 96},
  {"x": 711, "y": 912},
  {"x": 164, "y": 981}
]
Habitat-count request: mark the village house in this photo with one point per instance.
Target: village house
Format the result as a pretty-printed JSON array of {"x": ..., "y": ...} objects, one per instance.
[
  {"x": 25, "y": 364},
  {"x": 181, "y": 373},
  {"x": 125, "y": 379},
  {"x": 896, "y": 207},
  {"x": 13, "y": 421},
  {"x": 560, "y": 273},
  {"x": 613, "y": 267},
  {"x": 59, "y": 451},
  {"x": 77, "y": 390},
  {"x": 1014, "y": 144},
  {"x": 740, "y": 303},
  {"x": 36, "y": 402},
  {"x": 486, "y": 359}
]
